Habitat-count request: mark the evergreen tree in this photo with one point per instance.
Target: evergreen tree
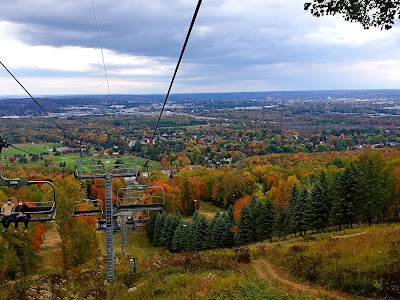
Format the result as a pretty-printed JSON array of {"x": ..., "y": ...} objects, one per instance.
[
  {"x": 231, "y": 216},
  {"x": 343, "y": 211},
  {"x": 290, "y": 221},
  {"x": 281, "y": 222},
  {"x": 189, "y": 237},
  {"x": 243, "y": 235},
  {"x": 324, "y": 184},
  {"x": 180, "y": 235},
  {"x": 299, "y": 212},
  {"x": 209, "y": 241},
  {"x": 265, "y": 224},
  {"x": 255, "y": 218},
  {"x": 309, "y": 214},
  {"x": 167, "y": 231},
  {"x": 150, "y": 228},
  {"x": 158, "y": 227},
  {"x": 372, "y": 188},
  {"x": 319, "y": 216},
  {"x": 228, "y": 238},
  {"x": 200, "y": 231},
  {"x": 217, "y": 232}
]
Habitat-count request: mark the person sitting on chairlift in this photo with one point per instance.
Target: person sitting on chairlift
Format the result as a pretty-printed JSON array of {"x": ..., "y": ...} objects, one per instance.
[
  {"x": 22, "y": 215},
  {"x": 7, "y": 210}
]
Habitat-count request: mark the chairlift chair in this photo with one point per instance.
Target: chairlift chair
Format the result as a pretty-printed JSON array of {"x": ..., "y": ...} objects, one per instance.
[
  {"x": 40, "y": 211},
  {"x": 155, "y": 201},
  {"x": 87, "y": 207}
]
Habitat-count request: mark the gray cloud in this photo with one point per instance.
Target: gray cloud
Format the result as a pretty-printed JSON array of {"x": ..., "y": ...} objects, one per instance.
[{"x": 233, "y": 40}]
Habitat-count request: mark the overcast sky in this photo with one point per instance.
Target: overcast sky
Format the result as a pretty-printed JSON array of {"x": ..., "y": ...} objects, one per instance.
[{"x": 52, "y": 47}]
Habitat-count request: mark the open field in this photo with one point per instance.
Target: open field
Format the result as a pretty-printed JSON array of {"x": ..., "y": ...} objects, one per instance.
[
  {"x": 31, "y": 148},
  {"x": 69, "y": 159}
]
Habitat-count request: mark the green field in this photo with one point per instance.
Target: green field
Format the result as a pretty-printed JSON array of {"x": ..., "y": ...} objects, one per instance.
[
  {"x": 31, "y": 148},
  {"x": 69, "y": 159}
]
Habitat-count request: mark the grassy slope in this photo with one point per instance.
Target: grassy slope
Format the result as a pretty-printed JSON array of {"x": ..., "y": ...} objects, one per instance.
[
  {"x": 363, "y": 261},
  {"x": 233, "y": 273}
]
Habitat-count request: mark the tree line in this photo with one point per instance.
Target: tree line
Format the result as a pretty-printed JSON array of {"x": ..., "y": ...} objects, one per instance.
[{"x": 356, "y": 194}]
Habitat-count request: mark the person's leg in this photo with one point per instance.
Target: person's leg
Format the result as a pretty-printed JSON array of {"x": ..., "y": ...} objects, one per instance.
[
  {"x": 16, "y": 223},
  {"x": 26, "y": 220},
  {"x": 7, "y": 222},
  {"x": 3, "y": 221}
]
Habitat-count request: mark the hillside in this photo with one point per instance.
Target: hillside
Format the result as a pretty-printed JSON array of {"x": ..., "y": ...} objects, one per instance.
[{"x": 275, "y": 270}]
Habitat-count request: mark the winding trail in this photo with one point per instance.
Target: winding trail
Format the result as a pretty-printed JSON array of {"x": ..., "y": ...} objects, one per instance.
[{"x": 268, "y": 272}]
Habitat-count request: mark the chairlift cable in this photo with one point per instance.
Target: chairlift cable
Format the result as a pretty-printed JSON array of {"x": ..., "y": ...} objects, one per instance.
[
  {"x": 177, "y": 67},
  {"x": 33, "y": 98},
  {"x": 101, "y": 49},
  {"x": 19, "y": 149},
  {"x": 5, "y": 144}
]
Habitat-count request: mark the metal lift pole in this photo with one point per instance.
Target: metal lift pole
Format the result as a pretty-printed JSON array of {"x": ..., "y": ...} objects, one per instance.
[
  {"x": 123, "y": 238},
  {"x": 109, "y": 228}
]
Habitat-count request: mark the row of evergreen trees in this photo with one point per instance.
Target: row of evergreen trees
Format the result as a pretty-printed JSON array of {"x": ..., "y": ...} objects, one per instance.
[
  {"x": 356, "y": 194},
  {"x": 171, "y": 231}
]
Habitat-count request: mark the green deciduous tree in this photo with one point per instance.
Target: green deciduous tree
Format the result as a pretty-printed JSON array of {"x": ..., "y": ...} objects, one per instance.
[{"x": 372, "y": 13}]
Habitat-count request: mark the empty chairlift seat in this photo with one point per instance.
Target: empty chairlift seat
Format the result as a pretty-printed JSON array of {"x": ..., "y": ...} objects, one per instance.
[
  {"x": 87, "y": 207},
  {"x": 141, "y": 198},
  {"x": 41, "y": 211}
]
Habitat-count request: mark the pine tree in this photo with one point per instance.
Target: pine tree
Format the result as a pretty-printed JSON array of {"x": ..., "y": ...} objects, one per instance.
[
  {"x": 167, "y": 231},
  {"x": 228, "y": 238},
  {"x": 209, "y": 242},
  {"x": 299, "y": 212},
  {"x": 158, "y": 227},
  {"x": 189, "y": 237},
  {"x": 265, "y": 224},
  {"x": 343, "y": 210},
  {"x": 150, "y": 228},
  {"x": 231, "y": 216},
  {"x": 177, "y": 240},
  {"x": 320, "y": 216},
  {"x": 309, "y": 214},
  {"x": 255, "y": 218},
  {"x": 217, "y": 232},
  {"x": 200, "y": 231},
  {"x": 243, "y": 235},
  {"x": 281, "y": 222},
  {"x": 290, "y": 221},
  {"x": 372, "y": 189}
]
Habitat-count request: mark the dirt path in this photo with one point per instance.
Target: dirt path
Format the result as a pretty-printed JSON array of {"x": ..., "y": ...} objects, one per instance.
[
  {"x": 50, "y": 251},
  {"x": 268, "y": 272}
]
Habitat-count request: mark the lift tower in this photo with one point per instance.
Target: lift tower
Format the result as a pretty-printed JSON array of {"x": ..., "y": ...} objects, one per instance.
[{"x": 108, "y": 171}]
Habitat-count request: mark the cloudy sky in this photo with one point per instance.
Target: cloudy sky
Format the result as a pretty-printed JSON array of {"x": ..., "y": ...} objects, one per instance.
[{"x": 52, "y": 47}]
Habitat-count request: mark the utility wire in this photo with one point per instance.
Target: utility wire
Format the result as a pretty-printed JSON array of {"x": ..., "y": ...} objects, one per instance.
[
  {"x": 101, "y": 49},
  {"x": 177, "y": 67},
  {"x": 52, "y": 119}
]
